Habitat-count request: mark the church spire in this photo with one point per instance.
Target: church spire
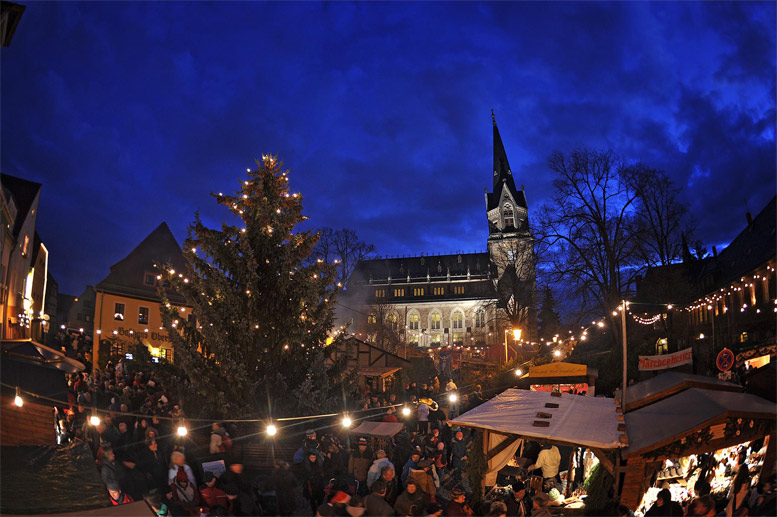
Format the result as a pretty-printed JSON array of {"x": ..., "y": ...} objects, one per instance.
[{"x": 502, "y": 170}]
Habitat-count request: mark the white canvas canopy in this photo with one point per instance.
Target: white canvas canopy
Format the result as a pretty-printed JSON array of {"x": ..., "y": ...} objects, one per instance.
[
  {"x": 587, "y": 421},
  {"x": 378, "y": 429}
]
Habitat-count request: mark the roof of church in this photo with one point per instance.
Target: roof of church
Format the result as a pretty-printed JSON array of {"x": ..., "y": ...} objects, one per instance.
[
  {"x": 477, "y": 264},
  {"x": 502, "y": 174},
  {"x": 128, "y": 275},
  {"x": 24, "y": 193}
]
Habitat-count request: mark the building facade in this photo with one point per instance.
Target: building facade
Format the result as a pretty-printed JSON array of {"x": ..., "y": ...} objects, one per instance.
[
  {"x": 462, "y": 299},
  {"x": 126, "y": 305}
]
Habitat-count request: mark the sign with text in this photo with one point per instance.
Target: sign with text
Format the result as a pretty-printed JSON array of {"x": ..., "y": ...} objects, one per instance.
[
  {"x": 664, "y": 361},
  {"x": 558, "y": 370}
]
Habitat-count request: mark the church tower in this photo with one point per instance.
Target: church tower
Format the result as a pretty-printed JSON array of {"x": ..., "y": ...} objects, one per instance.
[{"x": 511, "y": 244}]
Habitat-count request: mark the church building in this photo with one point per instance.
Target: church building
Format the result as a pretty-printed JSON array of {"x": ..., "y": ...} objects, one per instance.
[{"x": 463, "y": 299}]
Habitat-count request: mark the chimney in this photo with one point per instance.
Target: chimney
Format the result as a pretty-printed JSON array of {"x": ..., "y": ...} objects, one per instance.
[
  {"x": 749, "y": 219},
  {"x": 714, "y": 251}
]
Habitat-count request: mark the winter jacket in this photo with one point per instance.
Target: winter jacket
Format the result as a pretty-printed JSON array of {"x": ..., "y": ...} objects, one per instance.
[
  {"x": 406, "y": 470},
  {"x": 359, "y": 464},
  {"x": 377, "y": 506},
  {"x": 424, "y": 481},
  {"x": 374, "y": 472},
  {"x": 455, "y": 509},
  {"x": 406, "y": 500}
]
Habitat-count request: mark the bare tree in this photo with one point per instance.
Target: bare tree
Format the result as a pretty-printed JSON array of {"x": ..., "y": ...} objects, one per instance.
[
  {"x": 386, "y": 327},
  {"x": 660, "y": 216},
  {"x": 343, "y": 246},
  {"x": 586, "y": 228}
]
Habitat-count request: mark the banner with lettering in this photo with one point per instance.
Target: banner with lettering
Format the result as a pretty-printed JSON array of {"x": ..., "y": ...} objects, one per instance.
[{"x": 664, "y": 361}]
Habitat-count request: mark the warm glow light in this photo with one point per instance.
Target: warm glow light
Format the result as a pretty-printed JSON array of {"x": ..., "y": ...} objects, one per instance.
[
  {"x": 518, "y": 372},
  {"x": 557, "y": 353},
  {"x": 271, "y": 430},
  {"x": 346, "y": 422},
  {"x": 701, "y": 336},
  {"x": 182, "y": 430},
  {"x": 94, "y": 420},
  {"x": 600, "y": 324},
  {"x": 517, "y": 334},
  {"x": 453, "y": 397},
  {"x": 17, "y": 400},
  {"x": 670, "y": 306},
  {"x": 406, "y": 411}
]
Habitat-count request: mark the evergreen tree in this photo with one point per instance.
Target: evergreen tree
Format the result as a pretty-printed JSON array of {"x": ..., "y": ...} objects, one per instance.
[
  {"x": 550, "y": 323},
  {"x": 262, "y": 309}
]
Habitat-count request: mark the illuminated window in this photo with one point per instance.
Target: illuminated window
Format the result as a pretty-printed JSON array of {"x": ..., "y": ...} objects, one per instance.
[
  {"x": 480, "y": 319},
  {"x": 439, "y": 290},
  {"x": 371, "y": 320},
  {"x": 392, "y": 319},
  {"x": 413, "y": 321},
  {"x": 118, "y": 313},
  {"x": 743, "y": 337},
  {"x": 508, "y": 215},
  {"x": 434, "y": 320},
  {"x": 458, "y": 289},
  {"x": 399, "y": 292},
  {"x": 436, "y": 338},
  {"x": 413, "y": 339},
  {"x": 458, "y": 338},
  {"x": 143, "y": 315},
  {"x": 25, "y": 245},
  {"x": 458, "y": 320},
  {"x": 380, "y": 293},
  {"x": 418, "y": 291}
]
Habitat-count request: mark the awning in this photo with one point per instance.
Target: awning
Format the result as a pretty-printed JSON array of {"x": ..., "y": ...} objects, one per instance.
[
  {"x": 378, "y": 429},
  {"x": 587, "y": 421},
  {"x": 667, "y": 384},
  {"x": 376, "y": 371},
  {"x": 36, "y": 353},
  {"x": 653, "y": 426}
]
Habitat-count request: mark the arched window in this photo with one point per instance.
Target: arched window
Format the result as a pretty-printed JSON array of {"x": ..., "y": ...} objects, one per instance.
[
  {"x": 412, "y": 321},
  {"x": 392, "y": 320},
  {"x": 457, "y": 319},
  {"x": 480, "y": 318},
  {"x": 509, "y": 217},
  {"x": 434, "y": 320},
  {"x": 371, "y": 320}
]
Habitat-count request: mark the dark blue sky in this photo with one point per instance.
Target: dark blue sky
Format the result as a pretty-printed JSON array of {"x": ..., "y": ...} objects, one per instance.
[{"x": 131, "y": 113}]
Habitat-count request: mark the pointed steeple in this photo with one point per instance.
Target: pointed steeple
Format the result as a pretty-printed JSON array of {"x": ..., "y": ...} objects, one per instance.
[{"x": 502, "y": 171}]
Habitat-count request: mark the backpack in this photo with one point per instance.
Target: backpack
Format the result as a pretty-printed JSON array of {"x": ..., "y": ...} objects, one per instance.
[{"x": 226, "y": 442}]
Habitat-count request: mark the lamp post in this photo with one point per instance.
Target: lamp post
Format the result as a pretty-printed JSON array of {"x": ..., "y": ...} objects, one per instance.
[
  {"x": 623, "y": 324},
  {"x": 516, "y": 337}
]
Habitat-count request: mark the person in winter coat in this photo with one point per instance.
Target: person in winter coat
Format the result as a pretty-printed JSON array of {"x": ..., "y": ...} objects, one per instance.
[
  {"x": 458, "y": 453},
  {"x": 152, "y": 464},
  {"x": 359, "y": 463},
  {"x": 285, "y": 483},
  {"x": 423, "y": 418},
  {"x": 424, "y": 479},
  {"x": 373, "y": 474},
  {"x": 313, "y": 480},
  {"x": 407, "y": 499},
  {"x": 213, "y": 497},
  {"x": 458, "y": 507},
  {"x": 376, "y": 503},
  {"x": 412, "y": 463},
  {"x": 178, "y": 463},
  {"x": 219, "y": 439},
  {"x": 389, "y": 477},
  {"x": 184, "y": 495},
  {"x": 441, "y": 459}
]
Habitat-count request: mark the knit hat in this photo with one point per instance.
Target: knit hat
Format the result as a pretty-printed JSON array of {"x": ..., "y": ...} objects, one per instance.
[
  {"x": 340, "y": 497},
  {"x": 309, "y": 433},
  {"x": 362, "y": 441},
  {"x": 457, "y": 492}
]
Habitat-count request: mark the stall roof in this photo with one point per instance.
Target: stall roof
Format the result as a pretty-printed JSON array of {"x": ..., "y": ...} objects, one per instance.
[
  {"x": 378, "y": 429},
  {"x": 36, "y": 353},
  {"x": 376, "y": 371},
  {"x": 588, "y": 421},
  {"x": 651, "y": 426},
  {"x": 667, "y": 384}
]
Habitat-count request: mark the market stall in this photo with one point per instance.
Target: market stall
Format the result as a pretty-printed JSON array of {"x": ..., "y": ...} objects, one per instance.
[
  {"x": 666, "y": 384},
  {"x": 668, "y": 438},
  {"x": 564, "y": 377},
  {"x": 516, "y": 416}
]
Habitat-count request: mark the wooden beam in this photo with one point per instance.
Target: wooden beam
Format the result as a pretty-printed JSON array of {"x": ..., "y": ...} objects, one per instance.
[
  {"x": 604, "y": 460},
  {"x": 504, "y": 444},
  {"x": 769, "y": 458}
]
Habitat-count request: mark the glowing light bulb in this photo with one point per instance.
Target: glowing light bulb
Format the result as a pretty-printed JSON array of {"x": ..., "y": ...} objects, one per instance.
[
  {"x": 557, "y": 353},
  {"x": 518, "y": 372},
  {"x": 406, "y": 411},
  {"x": 271, "y": 430},
  {"x": 346, "y": 422},
  {"x": 453, "y": 397},
  {"x": 94, "y": 420},
  {"x": 182, "y": 431},
  {"x": 17, "y": 400}
]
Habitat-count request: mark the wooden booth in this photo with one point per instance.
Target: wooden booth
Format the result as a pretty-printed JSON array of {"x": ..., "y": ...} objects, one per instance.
[
  {"x": 374, "y": 366},
  {"x": 563, "y": 377}
]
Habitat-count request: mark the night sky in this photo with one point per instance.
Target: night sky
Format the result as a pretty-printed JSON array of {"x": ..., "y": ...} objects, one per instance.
[{"x": 131, "y": 113}]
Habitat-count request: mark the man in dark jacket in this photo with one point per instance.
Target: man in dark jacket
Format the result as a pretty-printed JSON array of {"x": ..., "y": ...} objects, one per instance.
[
  {"x": 389, "y": 477},
  {"x": 359, "y": 464},
  {"x": 376, "y": 503},
  {"x": 407, "y": 499},
  {"x": 153, "y": 465}
]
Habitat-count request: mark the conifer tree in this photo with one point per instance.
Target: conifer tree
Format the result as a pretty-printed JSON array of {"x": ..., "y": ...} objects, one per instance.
[
  {"x": 262, "y": 309},
  {"x": 550, "y": 323}
]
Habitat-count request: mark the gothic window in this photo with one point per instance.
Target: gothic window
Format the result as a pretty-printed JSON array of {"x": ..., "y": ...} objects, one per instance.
[
  {"x": 458, "y": 320},
  {"x": 371, "y": 320},
  {"x": 380, "y": 293},
  {"x": 436, "y": 339},
  {"x": 439, "y": 267},
  {"x": 418, "y": 291},
  {"x": 480, "y": 318},
  {"x": 459, "y": 259},
  {"x": 413, "y": 320},
  {"x": 392, "y": 320},
  {"x": 422, "y": 261},
  {"x": 399, "y": 292},
  {"x": 439, "y": 291},
  {"x": 458, "y": 338},
  {"x": 458, "y": 289},
  {"x": 509, "y": 217},
  {"x": 413, "y": 339},
  {"x": 434, "y": 320}
]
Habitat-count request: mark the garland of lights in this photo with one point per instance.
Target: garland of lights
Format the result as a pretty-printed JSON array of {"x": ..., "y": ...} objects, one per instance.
[{"x": 645, "y": 321}]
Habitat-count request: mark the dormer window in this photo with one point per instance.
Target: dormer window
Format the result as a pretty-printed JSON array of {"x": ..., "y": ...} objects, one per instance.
[{"x": 509, "y": 217}]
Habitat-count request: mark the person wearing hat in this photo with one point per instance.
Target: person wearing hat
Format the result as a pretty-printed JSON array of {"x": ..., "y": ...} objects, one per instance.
[
  {"x": 373, "y": 474},
  {"x": 184, "y": 496},
  {"x": 540, "y": 505},
  {"x": 458, "y": 504},
  {"x": 518, "y": 505},
  {"x": 409, "y": 498},
  {"x": 213, "y": 497},
  {"x": 412, "y": 463},
  {"x": 424, "y": 478},
  {"x": 359, "y": 463},
  {"x": 335, "y": 506}
]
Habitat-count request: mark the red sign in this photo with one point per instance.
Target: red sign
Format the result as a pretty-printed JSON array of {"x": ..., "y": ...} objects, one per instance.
[
  {"x": 661, "y": 362},
  {"x": 725, "y": 360}
]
